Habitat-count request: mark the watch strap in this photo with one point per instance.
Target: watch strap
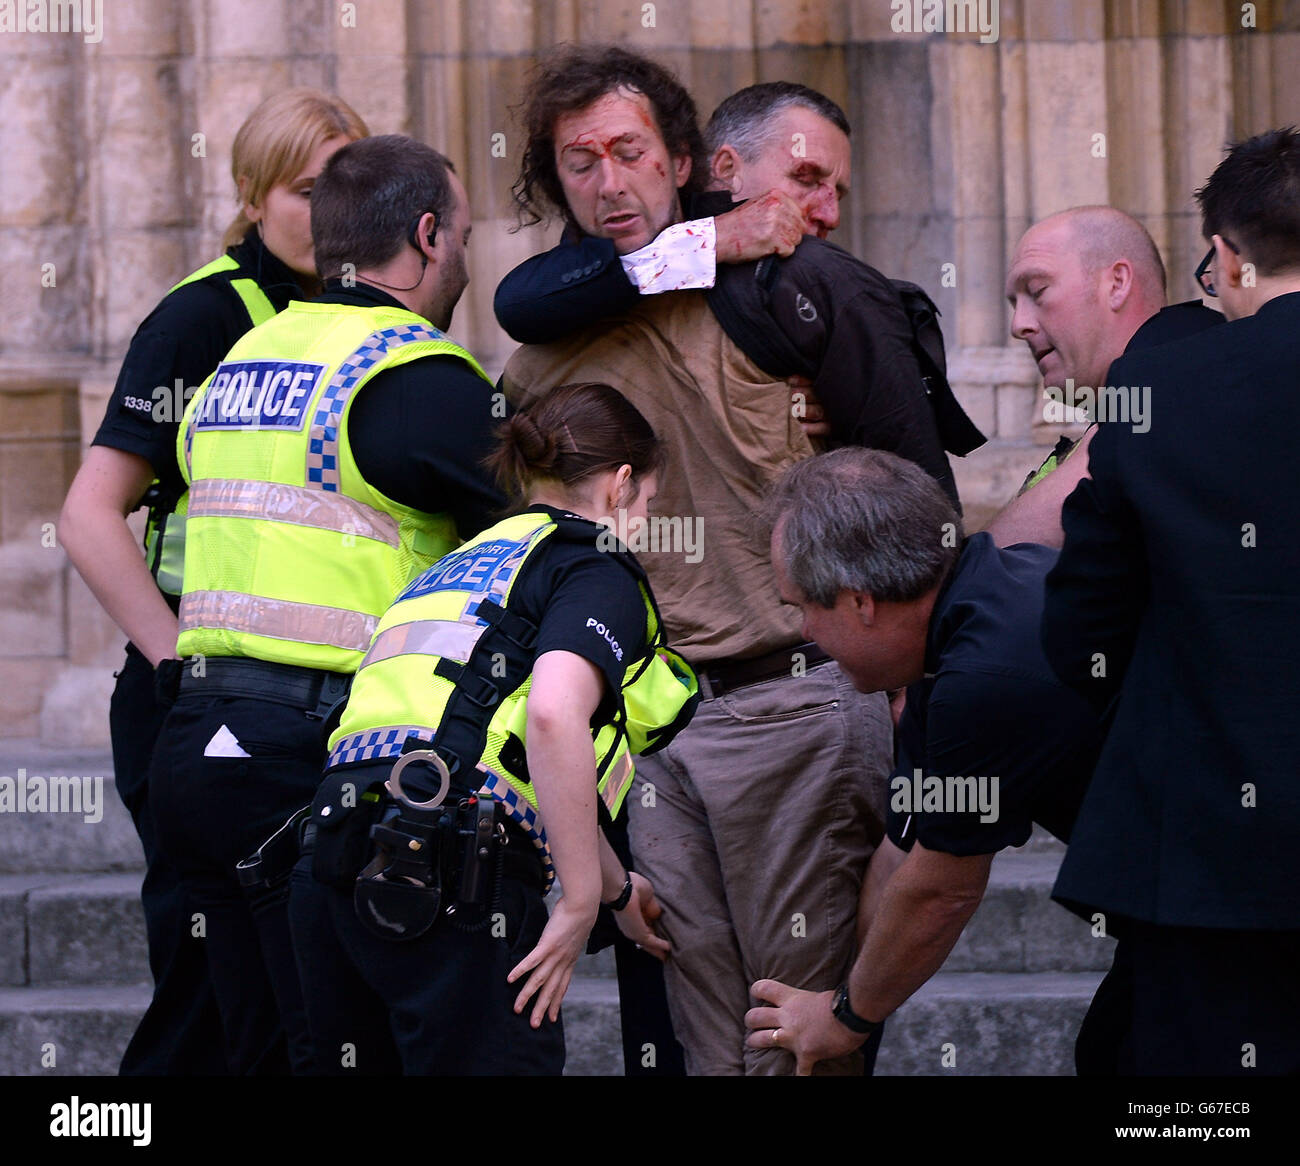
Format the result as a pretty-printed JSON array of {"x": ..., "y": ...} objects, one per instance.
[
  {"x": 624, "y": 898},
  {"x": 843, "y": 1012}
]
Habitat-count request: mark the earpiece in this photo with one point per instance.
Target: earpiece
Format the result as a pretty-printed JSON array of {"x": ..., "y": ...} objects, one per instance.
[
  {"x": 429, "y": 238},
  {"x": 414, "y": 241}
]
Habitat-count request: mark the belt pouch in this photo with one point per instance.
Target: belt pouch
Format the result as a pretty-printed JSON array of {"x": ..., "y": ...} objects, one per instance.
[{"x": 343, "y": 816}]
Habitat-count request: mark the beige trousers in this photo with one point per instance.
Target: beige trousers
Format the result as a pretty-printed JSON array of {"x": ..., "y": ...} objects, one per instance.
[{"x": 755, "y": 826}]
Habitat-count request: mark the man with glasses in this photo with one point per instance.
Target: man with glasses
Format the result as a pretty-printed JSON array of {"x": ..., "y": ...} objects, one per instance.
[
  {"x": 1180, "y": 575},
  {"x": 1203, "y": 268},
  {"x": 1085, "y": 286}
]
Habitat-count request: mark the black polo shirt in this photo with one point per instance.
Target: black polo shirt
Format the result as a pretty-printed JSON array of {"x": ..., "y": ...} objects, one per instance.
[
  {"x": 184, "y": 338},
  {"x": 990, "y": 708},
  {"x": 585, "y": 602}
]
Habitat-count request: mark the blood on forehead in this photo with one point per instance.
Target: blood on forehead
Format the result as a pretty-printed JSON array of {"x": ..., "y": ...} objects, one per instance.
[
  {"x": 613, "y": 105},
  {"x": 602, "y": 148}
]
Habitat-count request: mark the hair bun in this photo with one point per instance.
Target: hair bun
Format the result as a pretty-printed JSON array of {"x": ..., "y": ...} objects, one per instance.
[
  {"x": 541, "y": 441},
  {"x": 537, "y": 448}
]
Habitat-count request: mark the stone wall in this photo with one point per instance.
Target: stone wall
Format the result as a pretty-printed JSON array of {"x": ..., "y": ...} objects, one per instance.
[{"x": 107, "y": 196}]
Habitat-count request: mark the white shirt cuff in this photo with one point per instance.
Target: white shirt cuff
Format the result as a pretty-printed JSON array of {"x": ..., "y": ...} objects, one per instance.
[{"x": 681, "y": 256}]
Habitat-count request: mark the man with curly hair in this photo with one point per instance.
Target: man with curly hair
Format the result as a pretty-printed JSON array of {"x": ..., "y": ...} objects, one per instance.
[{"x": 756, "y": 825}]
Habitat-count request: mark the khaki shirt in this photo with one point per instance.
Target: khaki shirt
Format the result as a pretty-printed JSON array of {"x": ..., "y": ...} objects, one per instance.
[{"x": 729, "y": 431}]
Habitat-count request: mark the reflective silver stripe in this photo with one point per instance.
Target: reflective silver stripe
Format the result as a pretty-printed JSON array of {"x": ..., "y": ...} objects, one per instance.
[
  {"x": 617, "y": 781},
  {"x": 426, "y": 637},
  {"x": 278, "y": 502},
  {"x": 280, "y": 619}
]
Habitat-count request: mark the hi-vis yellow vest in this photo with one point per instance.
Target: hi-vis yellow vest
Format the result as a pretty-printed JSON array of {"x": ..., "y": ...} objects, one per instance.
[
  {"x": 451, "y": 666},
  {"x": 164, "y": 538},
  {"x": 290, "y": 555}
]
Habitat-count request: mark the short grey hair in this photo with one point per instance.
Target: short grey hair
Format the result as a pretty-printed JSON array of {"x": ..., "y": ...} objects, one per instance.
[
  {"x": 863, "y": 520},
  {"x": 745, "y": 120}
]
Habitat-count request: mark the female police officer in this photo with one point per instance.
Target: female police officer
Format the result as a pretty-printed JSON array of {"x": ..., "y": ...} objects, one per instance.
[
  {"x": 496, "y": 708},
  {"x": 276, "y": 156}
]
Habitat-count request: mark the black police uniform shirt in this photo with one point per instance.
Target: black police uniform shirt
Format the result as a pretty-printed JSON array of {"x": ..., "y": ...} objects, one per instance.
[
  {"x": 990, "y": 707},
  {"x": 584, "y": 602},
  {"x": 419, "y": 432},
  {"x": 184, "y": 338}
]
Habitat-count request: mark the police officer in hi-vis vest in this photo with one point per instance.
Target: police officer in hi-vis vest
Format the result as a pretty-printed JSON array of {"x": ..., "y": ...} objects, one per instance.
[
  {"x": 332, "y": 456},
  {"x": 275, "y": 158},
  {"x": 489, "y": 730}
]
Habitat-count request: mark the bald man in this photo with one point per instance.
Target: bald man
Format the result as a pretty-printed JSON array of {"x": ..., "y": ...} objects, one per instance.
[{"x": 1082, "y": 284}]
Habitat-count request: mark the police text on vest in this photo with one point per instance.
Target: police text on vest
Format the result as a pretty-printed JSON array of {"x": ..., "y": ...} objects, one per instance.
[
  {"x": 605, "y": 634},
  {"x": 259, "y": 394}
]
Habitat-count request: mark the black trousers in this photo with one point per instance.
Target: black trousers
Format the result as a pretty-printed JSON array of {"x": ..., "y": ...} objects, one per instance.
[
  {"x": 210, "y": 813},
  {"x": 180, "y": 1033},
  {"x": 1189, "y": 1001},
  {"x": 438, "y": 1005},
  {"x": 649, "y": 1047}
]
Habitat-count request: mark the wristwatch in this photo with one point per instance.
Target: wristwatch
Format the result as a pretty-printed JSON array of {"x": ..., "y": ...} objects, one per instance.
[
  {"x": 624, "y": 898},
  {"x": 846, "y": 1016}
]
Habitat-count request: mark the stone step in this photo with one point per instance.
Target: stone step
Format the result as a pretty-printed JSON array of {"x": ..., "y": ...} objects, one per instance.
[
  {"x": 592, "y": 1044},
  {"x": 83, "y": 1030},
  {"x": 89, "y": 929},
  {"x": 93, "y": 833},
  {"x": 66, "y": 841},
  {"x": 959, "y": 1024},
  {"x": 965, "y": 1024},
  {"x": 60, "y": 930},
  {"x": 77, "y": 929},
  {"x": 1018, "y": 928},
  {"x": 1040, "y": 842}
]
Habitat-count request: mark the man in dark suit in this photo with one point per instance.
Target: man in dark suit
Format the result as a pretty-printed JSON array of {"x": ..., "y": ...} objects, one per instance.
[{"x": 1173, "y": 608}]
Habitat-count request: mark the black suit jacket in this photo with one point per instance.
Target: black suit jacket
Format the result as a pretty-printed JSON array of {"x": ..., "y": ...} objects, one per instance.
[{"x": 1176, "y": 603}]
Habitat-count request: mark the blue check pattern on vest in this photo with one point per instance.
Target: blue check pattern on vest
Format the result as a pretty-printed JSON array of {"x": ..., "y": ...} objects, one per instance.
[
  {"x": 524, "y": 814},
  {"x": 374, "y": 743},
  {"x": 323, "y": 438}
]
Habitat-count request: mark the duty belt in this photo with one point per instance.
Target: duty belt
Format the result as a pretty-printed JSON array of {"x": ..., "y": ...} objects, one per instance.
[
  {"x": 721, "y": 676},
  {"x": 316, "y": 691},
  {"x": 520, "y": 858},
  {"x": 273, "y": 861}
]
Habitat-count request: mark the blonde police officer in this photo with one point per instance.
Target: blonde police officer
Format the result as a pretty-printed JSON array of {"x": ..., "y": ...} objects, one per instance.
[
  {"x": 268, "y": 262},
  {"x": 492, "y": 720},
  {"x": 331, "y": 457}
]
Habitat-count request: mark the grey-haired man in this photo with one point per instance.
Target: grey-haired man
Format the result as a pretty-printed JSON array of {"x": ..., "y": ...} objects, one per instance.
[{"x": 868, "y": 548}]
